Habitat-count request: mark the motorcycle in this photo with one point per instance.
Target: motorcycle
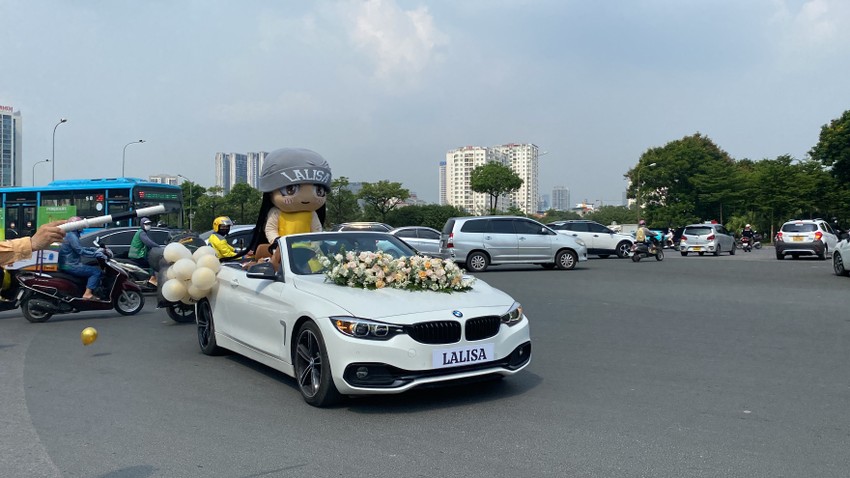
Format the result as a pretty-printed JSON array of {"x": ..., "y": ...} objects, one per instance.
[
  {"x": 641, "y": 249},
  {"x": 43, "y": 294},
  {"x": 138, "y": 275},
  {"x": 757, "y": 241},
  {"x": 746, "y": 244}
]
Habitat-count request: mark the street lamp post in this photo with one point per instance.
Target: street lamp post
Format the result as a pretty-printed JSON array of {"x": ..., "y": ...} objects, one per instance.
[
  {"x": 637, "y": 188},
  {"x": 124, "y": 154},
  {"x": 53, "y": 157},
  {"x": 191, "y": 214},
  {"x": 33, "y": 168}
]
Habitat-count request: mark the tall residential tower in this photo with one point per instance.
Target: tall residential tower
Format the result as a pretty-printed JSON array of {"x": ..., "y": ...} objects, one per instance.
[{"x": 10, "y": 146}]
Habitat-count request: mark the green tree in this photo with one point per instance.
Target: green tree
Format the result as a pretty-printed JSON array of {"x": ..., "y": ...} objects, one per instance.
[
  {"x": 430, "y": 215},
  {"x": 192, "y": 192},
  {"x": 610, "y": 214},
  {"x": 341, "y": 205},
  {"x": 553, "y": 215},
  {"x": 382, "y": 197},
  {"x": 495, "y": 180},
  {"x": 833, "y": 148},
  {"x": 244, "y": 203},
  {"x": 210, "y": 206}
]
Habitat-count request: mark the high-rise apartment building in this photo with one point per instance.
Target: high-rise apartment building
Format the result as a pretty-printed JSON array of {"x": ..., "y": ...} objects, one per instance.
[
  {"x": 522, "y": 159},
  {"x": 441, "y": 199},
  {"x": 10, "y": 146},
  {"x": 561, "y": 198},
  {"x": 234, "y": 168},
  {"x": 459, "y": 165}
]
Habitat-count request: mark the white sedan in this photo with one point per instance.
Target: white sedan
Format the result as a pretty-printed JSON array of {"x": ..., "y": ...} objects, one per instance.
[{"x": 297, "y": 314}]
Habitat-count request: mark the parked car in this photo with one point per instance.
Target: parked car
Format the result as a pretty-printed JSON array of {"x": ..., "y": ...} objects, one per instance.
[
  {"x": 481, "y": 241},
  {"x": 600, "y": 240},
  {"x": 702, "y": 238},
  {"x": 424, "y": 239},
  {"x": 339, "y": 340},
  {"x": 802, "y": 237},
  {"x": 362, "y": 226},
  {"x": 239, "y": 236},
  {"x": 841, "y": 256},
  {"x": 118, "y": 239}
]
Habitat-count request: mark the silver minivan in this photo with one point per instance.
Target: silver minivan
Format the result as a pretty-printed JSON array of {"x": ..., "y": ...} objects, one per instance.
[{"x": 480, "y": 241}]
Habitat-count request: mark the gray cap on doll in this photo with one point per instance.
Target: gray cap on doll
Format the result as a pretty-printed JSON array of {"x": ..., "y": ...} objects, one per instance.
[{"x": 287, "y": 166}]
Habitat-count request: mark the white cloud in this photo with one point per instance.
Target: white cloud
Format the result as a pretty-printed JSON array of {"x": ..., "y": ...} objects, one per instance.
[
  {"x": 813, "y": 31},
  {"x": 400, "y": 43}
]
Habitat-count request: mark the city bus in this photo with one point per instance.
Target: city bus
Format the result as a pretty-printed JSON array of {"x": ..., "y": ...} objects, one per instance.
[{"x": 26, "y": 208}]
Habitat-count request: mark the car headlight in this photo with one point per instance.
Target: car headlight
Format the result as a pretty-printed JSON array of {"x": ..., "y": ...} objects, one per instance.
[
  {"x": 580, "y": 242},
  {"x": 365, "y": 328},
  {"x": 513, "y": 315}
]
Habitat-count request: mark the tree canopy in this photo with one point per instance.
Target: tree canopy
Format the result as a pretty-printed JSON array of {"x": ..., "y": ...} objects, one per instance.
[
  {"x": 382, "y": 197},
  {"x": 494, "y": 179}
]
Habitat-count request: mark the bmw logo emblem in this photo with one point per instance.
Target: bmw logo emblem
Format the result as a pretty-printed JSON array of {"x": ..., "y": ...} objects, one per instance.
[{"x": 457, "y": 313}]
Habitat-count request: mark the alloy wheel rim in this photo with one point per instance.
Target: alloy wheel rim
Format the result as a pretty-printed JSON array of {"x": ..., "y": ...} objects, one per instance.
[
  {"x": 204, "y": 327},
  {"x": 837, "y": 264},
  {"x": 309, "y": 363},
  {"x": 128, "y": 301}
]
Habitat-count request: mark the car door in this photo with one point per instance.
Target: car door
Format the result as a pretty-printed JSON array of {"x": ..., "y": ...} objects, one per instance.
[
  {"x": 253, "y": 311},
  {"x": 602, "y": 239},
  {"x": 829, "y": 236},
  {"x": 534, "y": 242},
  {"x": 500, "y": 240}
]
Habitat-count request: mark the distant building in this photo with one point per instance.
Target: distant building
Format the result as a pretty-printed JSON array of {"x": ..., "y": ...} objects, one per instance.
[
  {"x": 459, "y": 165},
  {"x": 235, "y": 168},
  {"x": 561, "y": 198},
  {"x": 11, "y": 142},
  {"x": 165, "y": 179},
  {"x": 441, "y": 200},
  {"x": 523, "y": 160}
]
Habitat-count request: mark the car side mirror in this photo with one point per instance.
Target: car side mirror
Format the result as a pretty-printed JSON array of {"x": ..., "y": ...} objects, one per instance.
[
  {"x": 96, "y": 241},
  {"x": 262, "y": 271}
]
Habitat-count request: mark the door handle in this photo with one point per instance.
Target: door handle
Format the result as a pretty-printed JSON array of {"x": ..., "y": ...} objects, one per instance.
[
  {"x": 234, "y": 282},
  {"x": 521, "y": 238}
]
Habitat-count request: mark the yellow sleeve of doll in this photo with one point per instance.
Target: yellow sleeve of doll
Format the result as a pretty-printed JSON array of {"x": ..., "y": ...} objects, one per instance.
[{"x": 294, "y": 222}]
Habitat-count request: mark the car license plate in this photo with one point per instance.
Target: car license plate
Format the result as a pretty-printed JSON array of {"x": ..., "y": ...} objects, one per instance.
[
  {"x": 458, "y": 356},
  {"x": 697, "y": 248},
  {"x": 798, "y": 238}
]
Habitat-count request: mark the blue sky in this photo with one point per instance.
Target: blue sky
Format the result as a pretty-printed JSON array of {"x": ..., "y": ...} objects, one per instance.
[{"x": 384, "y": 88}]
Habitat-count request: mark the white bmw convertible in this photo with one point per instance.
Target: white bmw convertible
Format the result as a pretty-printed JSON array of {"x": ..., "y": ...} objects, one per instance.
[{"x": 349, "y": 313}]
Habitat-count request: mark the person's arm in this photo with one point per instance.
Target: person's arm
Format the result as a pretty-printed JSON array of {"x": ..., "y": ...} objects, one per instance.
[
  {"x": 222, "y": 248},
  {"x": 74, "y": 242},
  {"x": 146, "y": 239},
  {"x": 15, "y": 249}
]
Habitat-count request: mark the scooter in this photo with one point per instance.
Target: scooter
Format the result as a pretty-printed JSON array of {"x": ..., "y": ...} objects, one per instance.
[
  {"x": 43, "y": 294},
  {"x": 641, "y": 249},
  {"x": 746, "y": 244},
  {"x": 138, "y": 275}
]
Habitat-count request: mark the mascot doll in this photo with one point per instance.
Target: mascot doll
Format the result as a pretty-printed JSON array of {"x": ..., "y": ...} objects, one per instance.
[{"x": 295, "y": 183}]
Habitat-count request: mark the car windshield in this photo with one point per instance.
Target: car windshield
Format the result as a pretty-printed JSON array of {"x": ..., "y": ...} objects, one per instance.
[
  {"x": 793, "y": 227},
  {"x": 304, "y": 249},
  {"x": 697, "y": 231}
]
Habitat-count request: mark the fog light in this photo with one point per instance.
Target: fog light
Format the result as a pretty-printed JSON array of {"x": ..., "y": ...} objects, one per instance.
[{"x": 362, "y": 372}]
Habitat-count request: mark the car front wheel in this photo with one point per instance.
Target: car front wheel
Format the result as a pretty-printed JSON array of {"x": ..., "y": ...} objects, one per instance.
[
  {"x": 312, "y": 367},
  {"x": 206, "y": 330},
  {"x": 477, "y": 262},
  {"x": 566, "y": 260},
  {"x": 838, "y": 265},
  {"x": 623, "y": 249}
]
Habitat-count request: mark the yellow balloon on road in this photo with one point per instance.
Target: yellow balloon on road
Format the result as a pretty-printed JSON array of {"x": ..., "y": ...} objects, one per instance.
[{"x": 88, "y": 335}]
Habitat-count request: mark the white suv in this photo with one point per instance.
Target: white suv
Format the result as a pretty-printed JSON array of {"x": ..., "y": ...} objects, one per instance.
[
  {"x": 841, "y": 256},
  {"x": 599, "y": 239},
  {"x": 801, "y": 237}
]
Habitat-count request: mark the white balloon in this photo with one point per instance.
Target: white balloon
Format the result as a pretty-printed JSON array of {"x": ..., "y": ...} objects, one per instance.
[
  {"x": 184, "y": 268},
  {"x": 203, "y": 251},
  {"x": 176, "y": 251},
  {"x": 173, "y": 290},
  {"x": 209, "y": 262},
  {"x": 203, "y": 278},
  {"x": 169, "y": 273},
  {"x": 196, "y": 293}
]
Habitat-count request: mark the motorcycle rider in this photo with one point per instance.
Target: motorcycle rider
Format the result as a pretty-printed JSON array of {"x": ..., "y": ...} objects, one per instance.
[
  {"x": 70, "y": 260},
  {"x": 141, "y": 245},
  {"x": 749, "y": 234},
  {"x": 218, "y": 239},
  {"x": 644, "y": 235}
]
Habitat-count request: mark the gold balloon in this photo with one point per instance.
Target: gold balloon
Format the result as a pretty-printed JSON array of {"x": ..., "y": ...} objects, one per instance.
[{"x": 88, "y": 335}]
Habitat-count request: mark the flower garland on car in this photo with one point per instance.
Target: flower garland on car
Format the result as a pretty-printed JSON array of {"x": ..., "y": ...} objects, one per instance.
[{"x": 377, "y": 270}]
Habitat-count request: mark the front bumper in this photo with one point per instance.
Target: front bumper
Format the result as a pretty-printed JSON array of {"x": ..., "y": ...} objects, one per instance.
[
  {"x": 800, "y": 248},
  {"x": 386, "y": 367}
]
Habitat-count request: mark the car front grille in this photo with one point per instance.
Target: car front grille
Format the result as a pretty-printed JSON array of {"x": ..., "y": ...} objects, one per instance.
[
  {"x": 438, "y": 332},
  {"x": 480, "y": 328}
]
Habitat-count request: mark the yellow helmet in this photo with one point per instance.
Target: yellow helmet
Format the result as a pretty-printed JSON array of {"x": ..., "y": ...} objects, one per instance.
[{"x": 221, "y": 221}]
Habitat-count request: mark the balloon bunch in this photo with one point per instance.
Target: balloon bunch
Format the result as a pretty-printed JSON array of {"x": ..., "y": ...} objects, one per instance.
[{"x": 190, "y": 275}]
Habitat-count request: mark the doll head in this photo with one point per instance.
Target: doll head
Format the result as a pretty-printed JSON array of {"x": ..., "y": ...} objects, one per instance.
[{"x": 295, "y": 179}]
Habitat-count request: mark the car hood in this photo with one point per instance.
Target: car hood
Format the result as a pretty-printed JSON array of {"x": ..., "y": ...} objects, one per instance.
[{"x": 398, "y": 303}]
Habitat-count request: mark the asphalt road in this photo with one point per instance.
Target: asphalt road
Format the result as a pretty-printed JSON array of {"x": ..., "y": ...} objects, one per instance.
[{"x": 691, "y": 367}]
